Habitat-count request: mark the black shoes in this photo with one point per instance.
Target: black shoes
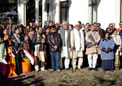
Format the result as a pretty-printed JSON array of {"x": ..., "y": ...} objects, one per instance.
[
  {"x": 95, "y": 69},
  {"x": 89, "y": 68}
]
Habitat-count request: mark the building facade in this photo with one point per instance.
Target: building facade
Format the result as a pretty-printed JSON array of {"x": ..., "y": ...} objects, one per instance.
[{"x": 86, "y": 11}]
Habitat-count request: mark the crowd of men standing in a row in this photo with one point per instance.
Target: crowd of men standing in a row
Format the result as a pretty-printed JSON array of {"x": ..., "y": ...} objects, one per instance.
[{"x": 59, "y": 46}]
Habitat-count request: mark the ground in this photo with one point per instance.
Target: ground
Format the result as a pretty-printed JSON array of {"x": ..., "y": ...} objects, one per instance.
[{"x": 82, "y": 77}]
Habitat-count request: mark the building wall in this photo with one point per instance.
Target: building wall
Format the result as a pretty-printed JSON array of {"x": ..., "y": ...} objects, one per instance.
[
  {"x": 78, "y": 11},
  {"x": 108, "y": 12}
]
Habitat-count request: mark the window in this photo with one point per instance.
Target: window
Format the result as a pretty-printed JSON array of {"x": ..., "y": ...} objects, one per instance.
[{"x": 64, "y": 7}]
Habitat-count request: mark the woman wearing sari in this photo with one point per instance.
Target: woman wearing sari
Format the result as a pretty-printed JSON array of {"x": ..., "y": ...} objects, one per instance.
[{"x": 11, "y": 60}]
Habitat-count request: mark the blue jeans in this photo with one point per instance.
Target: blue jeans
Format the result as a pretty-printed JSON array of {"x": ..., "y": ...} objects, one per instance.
[{"x": 55, "y": 60}]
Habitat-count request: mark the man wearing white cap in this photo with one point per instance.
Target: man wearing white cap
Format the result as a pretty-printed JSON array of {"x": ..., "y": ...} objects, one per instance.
[{"x": 77, "y": 43}]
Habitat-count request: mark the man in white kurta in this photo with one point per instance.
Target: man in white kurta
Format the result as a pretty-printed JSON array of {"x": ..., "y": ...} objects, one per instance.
[
  {"x": 65, "y": 36},
  {"x": 77, "y": 43}
]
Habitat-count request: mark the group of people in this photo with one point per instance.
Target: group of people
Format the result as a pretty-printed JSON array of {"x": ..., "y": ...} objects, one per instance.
[{"x": 59, "y": 46}]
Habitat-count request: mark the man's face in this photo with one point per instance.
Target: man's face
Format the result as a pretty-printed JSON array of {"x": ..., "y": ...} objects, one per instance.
[
  {"x": 65, "y": 25},
  {"x": 78, "y": 26},
  {"x": 86, "y": 28},
  {"x": 70, "y": 28},
  {"x": 120, "y": 25},
  {"x": 57, "y": 25},
  {"x": 53, "y": 30},
  {"x": 111, "y": 26},
  {"x": 88, "y": 25},
  {"x": 50, "y": 24},
  {"x": 97, "y": 27},
  {"x": 47, "y": 22},
  {"x": 92, "y": 28},
  {"x": 82, "y": 25}
]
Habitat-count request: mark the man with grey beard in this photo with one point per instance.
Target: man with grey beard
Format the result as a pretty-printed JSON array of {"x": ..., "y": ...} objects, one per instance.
[{"x": 65, "y": 36}]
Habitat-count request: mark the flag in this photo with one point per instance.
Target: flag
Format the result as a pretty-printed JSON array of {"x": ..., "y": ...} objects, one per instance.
[{"x": 29, "y": 56}]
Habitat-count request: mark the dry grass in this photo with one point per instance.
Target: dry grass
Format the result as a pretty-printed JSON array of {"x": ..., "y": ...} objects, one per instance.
[{"x": 66, "y": 78}]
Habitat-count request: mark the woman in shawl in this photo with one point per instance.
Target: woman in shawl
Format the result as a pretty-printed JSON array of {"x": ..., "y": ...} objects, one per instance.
[{"x": 107, "y": 52}]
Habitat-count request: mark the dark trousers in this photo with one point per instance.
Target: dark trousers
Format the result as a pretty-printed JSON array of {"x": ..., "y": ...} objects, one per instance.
[{"x": 55, "y": 60}]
